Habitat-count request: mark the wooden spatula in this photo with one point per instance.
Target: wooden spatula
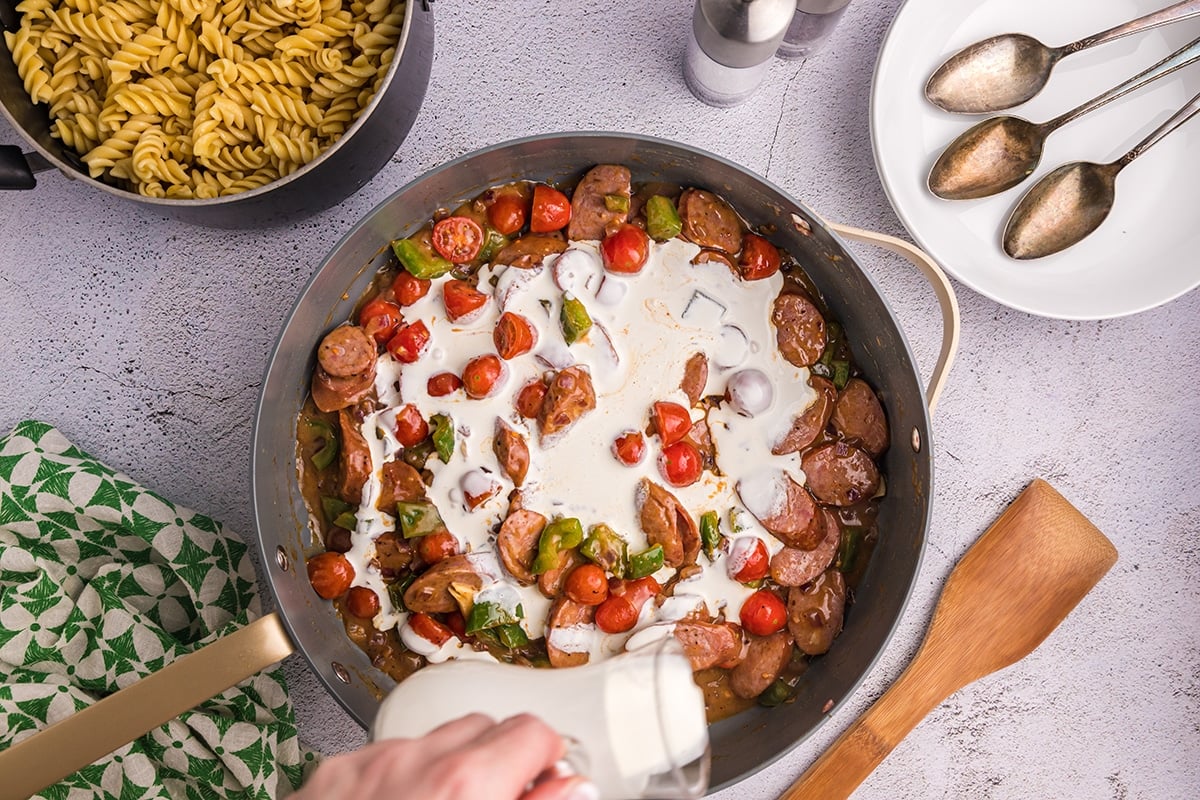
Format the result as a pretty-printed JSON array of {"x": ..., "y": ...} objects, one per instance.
[{"x": 1011, "y": 589}]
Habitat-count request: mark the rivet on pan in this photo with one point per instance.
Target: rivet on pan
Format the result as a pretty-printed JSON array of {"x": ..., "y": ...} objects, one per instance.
[
  {"x": 281, "y": 559},
  {"x": 916, "y": 440},
  {"x": 340, "y": 672}
]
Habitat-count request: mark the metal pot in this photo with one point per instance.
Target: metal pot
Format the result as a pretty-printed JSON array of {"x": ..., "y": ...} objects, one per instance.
[{"x": 337, "y": 173}]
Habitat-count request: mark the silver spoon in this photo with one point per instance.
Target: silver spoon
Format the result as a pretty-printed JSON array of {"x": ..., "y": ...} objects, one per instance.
[
  {"x": 1002, "y": 151},
  {"x": 1006, "y": 70},
  {"x": 1071, "y": 202}
]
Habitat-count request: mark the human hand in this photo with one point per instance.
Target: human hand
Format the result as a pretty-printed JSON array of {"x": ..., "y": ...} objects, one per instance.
[{"x": 467, "y": 759}]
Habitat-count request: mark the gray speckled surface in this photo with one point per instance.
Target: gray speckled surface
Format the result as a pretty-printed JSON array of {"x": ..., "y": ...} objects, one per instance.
[{"x": 145, "y": 341}]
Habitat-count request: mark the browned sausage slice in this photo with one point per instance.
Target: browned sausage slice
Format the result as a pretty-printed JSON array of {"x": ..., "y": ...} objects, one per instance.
[
  {"x": 518, "y": 542},
  {"x": 700, "y": 437},
  {"x": 858, "y": 416},
  {"x": 667, "y": 522},
  {"x": 815, "y": 612},
  {"x": 766, "y": 656},
  {"x": 709, "y": 221},
  {"x": 552, "y": 582},
  {"x": 794, "y": 521},
  {"x": 695, "y": 377},
  {"x": 346, "y": 351},
  {"x": 840, "y": 474},
  {"x": 529, "y": 251},
  {"x": 799, "y": 329},
  {"x": 710, "y": 644},
  {"x": 566, "y": 613},
  {"x": 430, "y": 592},
  {"x": 511, "y": 451},
  {"x": 393, "y": 554},
  {"x": 792, "y": 566},
  {"x": 590, "y": 215},
  {"x": 398, "y": 483},
  {"x": 333, "y": 394},
  {"x": 568, "y": 397},
  {"x": 809, "y": 424},
  {"x": 354, "y": 459}
]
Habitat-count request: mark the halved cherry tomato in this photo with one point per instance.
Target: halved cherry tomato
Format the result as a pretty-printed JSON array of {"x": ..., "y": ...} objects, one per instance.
[
  {"x": 514, "y": 335},
  {"x": 461, "y": 299},
  {"x": 616, "y": 615},
  {"x": 625, "y": 249},
  {"x": 409, "y": 289},
  {"x": 457, "y": 239},
  {"x": 380, "y": 318},
  {"x": 436, "y": 547},
  {"x": 442, "y": 384},
  {"x": 482, "y": 376},
  {"x": 456, "y": 623},
  {"x": 748, "y": 559},
  {"x": 362, "y": 602},
  {"x": 429, "y": 628},
  {"x": 587, "y": 584},
  {"x": 681, "y": 464},
  {"x": 409, "y": 342},
  {"x": 551, "y": 210},
  {"x": 763, "y": 613},
  {"x": 411, "y": 427},
  {"x": 507, "y": 213},
  {"x": 629, "y": 448},
  {"x": 759, "y": 258},
  {"x": 530, "y": 399},
  {"x": 330, "y": 574},
  {"x": 672, "y": 421}
]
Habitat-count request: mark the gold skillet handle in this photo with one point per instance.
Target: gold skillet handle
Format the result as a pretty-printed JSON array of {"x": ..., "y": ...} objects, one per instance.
[
  {"x": 941, "y": 288},
  {"x": 70, "y": 744}
]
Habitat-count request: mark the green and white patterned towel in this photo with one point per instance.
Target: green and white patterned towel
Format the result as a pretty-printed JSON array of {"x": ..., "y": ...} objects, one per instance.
[{"x": 103, "y": 582}]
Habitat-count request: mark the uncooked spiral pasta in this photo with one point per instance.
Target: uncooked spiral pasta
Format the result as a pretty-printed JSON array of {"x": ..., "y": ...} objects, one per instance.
[{"x": 189, "y": 99}]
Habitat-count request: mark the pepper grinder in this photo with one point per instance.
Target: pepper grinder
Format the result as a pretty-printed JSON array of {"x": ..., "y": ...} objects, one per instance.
[
  {"x": 812, "y": 23},
  {"x": 731, "y": 47}
]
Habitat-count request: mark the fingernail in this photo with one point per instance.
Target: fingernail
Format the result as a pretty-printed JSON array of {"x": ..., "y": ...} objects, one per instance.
[
  {"x": 584, "y": 790},
  {"x": 563, "y": 769}
]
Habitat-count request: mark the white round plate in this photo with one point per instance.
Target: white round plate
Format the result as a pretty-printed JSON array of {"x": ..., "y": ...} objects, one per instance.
[{"x": 1148, "y": 250}]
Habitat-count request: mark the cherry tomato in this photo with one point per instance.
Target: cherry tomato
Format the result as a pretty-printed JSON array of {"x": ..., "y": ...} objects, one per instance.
[
  {"x": 456, "y": 623},
  {"x": 625, "y": 249},
  {"x": 442, "y": 384},
  {"x": 482, "y": 376},
  {"x": 672, "y": 421},
  {"x": 629, "y": 448},
  {"x": 362, "y": 602},
  {"x": 587, "y": 584},
  {"x": 759, "y": 258},
  {"x": 330, "y": 574},
  {"x": 409, "y": 342},
  {"x": 530, "y": 399},
  {"x": 763, "y": 613},
  {"x": 457, "y": 239},
  {"x": 409, "y": 289},
  {"x": 461, "y": 299},
  {"x": 436, "y": 547},
  {"x": 616, "y": 615},
  {"x": 429, "y": 628},
  {"x": 748, "y": 559},
  {"x": 411, "y": 427},
  {"x": 507, "y": 213},
  {"x": 380, "y": 318},
  {"x": 551, "y": 210},
  {"x": 681, "y": 464},
  {"x": 514, "y": 335}
]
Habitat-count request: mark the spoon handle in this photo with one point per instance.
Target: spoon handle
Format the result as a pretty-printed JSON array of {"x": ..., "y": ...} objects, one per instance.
[
  {"x": 1180, "y": 58},
  {"x": 1189, "y": 110},
  {"x": 1174, "y": 13}
]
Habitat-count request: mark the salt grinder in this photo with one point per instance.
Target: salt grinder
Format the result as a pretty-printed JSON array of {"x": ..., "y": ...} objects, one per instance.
[
  {"x": 812, "y": 23},
  {"x": 731, "y": 47}
]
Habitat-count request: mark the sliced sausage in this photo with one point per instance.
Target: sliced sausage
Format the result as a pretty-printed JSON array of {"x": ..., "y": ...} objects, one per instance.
[
  {"x": 430, "y": 592},
  {"x": 346, "y": 350},
  {"x": 700, "y": 437},
  {"x": 666, "y": 522},
  {"x": 710, "y": 644},
  {"x": 552, "y": 582},
  {"x": 399, "y": 482},
  {"x": 793, "y": 519},
  {"x": 859, "y": 417},
  {"x": 590, "y": 215},
  {"x": 799, "y": 329},
  {"x": 566, "y": 614},
  {"x": 518, "y": 543},
  {"x": 766, "y": 657},
  {"x": 709, "y": 221},
  {"x": 792, "y": 566},
  {"x": 511, "y": 451},
  {"x": 695, "y": 377},
  {"x": 568, "y": 397},
  {"x": 529, "y": 251},
  {"x": 354, "y": 459},
  {"x": 393, "y": 554},
  {"x": 809, "y": 424},
  {"x": 815, "y": 612},
  {"x": 708, "y": 254},
  {"x": 840, "y": 474},
  {"x": 333, "y": 394}
]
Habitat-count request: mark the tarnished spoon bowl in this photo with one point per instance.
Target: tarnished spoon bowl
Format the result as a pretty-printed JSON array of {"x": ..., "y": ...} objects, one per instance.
[
  {"x": 1061, "y": 209},
  {"x": 997, "y": 73},
  {"x": 989, "y": 157}
]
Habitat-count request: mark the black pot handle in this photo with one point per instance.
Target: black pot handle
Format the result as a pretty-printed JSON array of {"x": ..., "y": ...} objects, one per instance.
[{"x": 17, "y": 168}]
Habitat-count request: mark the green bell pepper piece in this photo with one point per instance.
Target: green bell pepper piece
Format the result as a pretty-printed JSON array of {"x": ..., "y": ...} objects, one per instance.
[
  {"x": 776, "y": 694},
  {"x": 509, "y": 636},
  {"x": 710, "y": 533},
  {"x": 847, "y": 552},
  {"x": 662, "y": 220},
  {"x": 493, "y": 242},
  {"x": 418, "y": 262},
  {"x": 396, "y": 591},
  {"x": 646, "y": 562},
  {"x": 443, "y": 436},
  {"x": 841, "y": 374},
  {"x": 487, "y": 615},
  {"x": 346, "y": 520},
  {"x": 334, "y": 507},
  {"x": 419, "y": 519},
  {"x": 616, "y": 203},
  {"x": 559, "y": 536},
  {"x": 328, "y": 451},
  {"x": 605, "y": 548},
  {"x": 574, "y": 319}
]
